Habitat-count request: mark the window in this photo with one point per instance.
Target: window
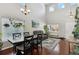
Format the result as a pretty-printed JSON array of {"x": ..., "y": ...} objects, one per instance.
[
  {"x": 51, "y": 9},
  {"x": 54, "y": 27},
  {"x": 61, "y": 5}
]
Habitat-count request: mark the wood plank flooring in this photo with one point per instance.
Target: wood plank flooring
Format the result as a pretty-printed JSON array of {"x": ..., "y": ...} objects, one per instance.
[{"x": 61, "y": 49}]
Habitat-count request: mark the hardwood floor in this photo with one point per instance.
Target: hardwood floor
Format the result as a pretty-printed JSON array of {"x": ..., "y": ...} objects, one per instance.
[
  {"x": 6, "y": 52},
  {"x": 64, "y": 47},
  {"x": 61, "y": 49},
  {"x": 44, "y": 51}
]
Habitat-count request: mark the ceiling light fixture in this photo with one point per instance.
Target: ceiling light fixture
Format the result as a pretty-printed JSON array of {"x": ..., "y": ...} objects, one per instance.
[
  {"x": 71, "y": 12},
  {"x": 25, "y": 10}
]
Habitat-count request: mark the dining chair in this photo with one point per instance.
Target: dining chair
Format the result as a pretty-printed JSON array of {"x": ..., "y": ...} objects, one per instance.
[
  {"x": 37, "y": 42},
  {"x": 26, "y": 47},
  {"x": 26, "y": 34},
  {"x": 44, "y": 36},
  {"x": 16, "y": 36}
]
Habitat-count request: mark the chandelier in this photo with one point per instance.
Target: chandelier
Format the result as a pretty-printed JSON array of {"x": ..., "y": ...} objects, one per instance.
[
  {"x": 25, "y": 10},
  {"x": 71, "y": 14}
]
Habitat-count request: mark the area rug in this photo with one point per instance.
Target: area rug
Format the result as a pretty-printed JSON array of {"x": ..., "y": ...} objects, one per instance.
[{"x": 50, "y": 43}]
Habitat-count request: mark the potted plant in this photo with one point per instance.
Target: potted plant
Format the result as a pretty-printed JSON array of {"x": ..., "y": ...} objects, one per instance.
[
  {"x": 1, "y": 44},
  {"x": 46, "y": 29},
  {"x": 76, "y": 27},
  {"x": 17, "y": 25}
]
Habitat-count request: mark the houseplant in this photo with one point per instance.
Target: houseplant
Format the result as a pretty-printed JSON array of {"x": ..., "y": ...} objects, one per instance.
[
  {"x": 76, "y": 31},
  {"x": 76, "y": 27},
  {"x": 46, "y": 29},
  {"x": 17, "y": 25}
]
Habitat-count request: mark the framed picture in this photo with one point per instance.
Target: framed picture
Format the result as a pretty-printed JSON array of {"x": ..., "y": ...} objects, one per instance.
[
  {"x": 35, "y": 24},
  {"x": 16, "y": 36}
]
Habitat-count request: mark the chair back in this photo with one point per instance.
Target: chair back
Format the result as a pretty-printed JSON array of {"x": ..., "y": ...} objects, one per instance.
[
  {"x": 26, "y": 34},
  {"x": 39, "y": 36},
  {"x": 37, "y": 32},
  {"x": 37, "y": 40},
  {"x": 28, "y": 41}
]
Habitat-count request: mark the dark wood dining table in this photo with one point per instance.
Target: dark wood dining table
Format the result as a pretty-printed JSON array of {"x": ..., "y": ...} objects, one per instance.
[{"x": 17, "y": 42}]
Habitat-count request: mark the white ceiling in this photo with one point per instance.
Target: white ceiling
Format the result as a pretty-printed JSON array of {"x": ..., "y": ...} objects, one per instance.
[
  {"x": 37, "y": 9},
  {"x": 60, "y": 15},
  {"x": 13, "y": 9},
  {"x": 67, "y": 5}
]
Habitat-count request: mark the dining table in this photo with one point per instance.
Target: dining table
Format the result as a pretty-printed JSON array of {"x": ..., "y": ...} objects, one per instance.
[
  {"x": 19, "y": 42},
  {"x": 16, "y": 42}
]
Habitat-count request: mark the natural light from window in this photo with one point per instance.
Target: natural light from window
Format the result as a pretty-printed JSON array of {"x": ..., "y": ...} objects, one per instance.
[{"x": 51, "y": 9}]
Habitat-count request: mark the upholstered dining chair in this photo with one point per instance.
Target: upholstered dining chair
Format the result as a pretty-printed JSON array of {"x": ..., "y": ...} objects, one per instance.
[
  {"x": 26, "y": 34},
  {"x": 37, "y": 42},
  {"x": 45, "y": 36}
]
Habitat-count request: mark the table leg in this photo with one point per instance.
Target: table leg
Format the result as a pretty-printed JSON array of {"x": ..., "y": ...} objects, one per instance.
[{"x": 14, "y": 48}]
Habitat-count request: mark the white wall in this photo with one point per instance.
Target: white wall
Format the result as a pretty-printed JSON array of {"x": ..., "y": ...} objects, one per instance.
[
  {"x": 37, "y": 14},
  {"x": 13, "y": 10},
  {"x": 61, "y": 17},
  {"x": 69, "y": 27}
]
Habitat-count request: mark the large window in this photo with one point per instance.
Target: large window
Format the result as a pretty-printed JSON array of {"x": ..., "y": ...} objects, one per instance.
[
  {"x": 8, "y": 28},
  {"x": 51, "y": 9}
]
